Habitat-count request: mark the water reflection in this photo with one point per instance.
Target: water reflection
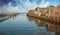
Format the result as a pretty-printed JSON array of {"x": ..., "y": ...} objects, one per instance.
[
  {"x": 23, "y": 25},
  {"x": 3, "y": 19},
  {"x": 46, "y": 28}
]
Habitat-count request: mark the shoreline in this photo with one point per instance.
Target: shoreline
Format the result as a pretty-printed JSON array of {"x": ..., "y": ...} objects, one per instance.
[
  {"x": 7, "y": 16},
  {"x": 50, "y": 19}
]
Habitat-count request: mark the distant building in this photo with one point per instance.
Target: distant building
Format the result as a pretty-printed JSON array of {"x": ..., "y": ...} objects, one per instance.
[{"x": 31, "y": 11}]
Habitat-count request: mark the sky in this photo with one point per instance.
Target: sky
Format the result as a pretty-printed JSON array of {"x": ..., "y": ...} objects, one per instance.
[{"x": 25, "y": 5}]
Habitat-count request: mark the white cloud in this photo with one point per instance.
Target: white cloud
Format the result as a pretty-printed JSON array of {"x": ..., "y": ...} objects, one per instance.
[
  {"x": 28, "y": 5},
  {"x": 42, "y": 2},
  {"x": 45, "y": 4},
  {"x": 24, "y": 5},
  {"x": 11, "y": 8}
]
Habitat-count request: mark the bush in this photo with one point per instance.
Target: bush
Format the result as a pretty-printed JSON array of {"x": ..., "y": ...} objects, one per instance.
[{"x": 42, "y": 14}]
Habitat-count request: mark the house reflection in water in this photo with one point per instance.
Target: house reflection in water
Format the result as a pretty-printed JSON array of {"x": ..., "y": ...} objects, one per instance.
[{"x": 46, "y": 28}]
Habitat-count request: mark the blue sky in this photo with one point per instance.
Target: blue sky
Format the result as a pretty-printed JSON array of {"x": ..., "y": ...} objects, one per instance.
[{"x": 25, "y": 5}]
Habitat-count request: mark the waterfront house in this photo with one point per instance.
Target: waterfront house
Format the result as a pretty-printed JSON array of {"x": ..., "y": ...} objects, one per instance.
[
  {"x": 37, "y": 11},
  {"x": 58, "y": 10},
  {"x": 41, "y": 11},
  {"x": 51, "y": 10}
]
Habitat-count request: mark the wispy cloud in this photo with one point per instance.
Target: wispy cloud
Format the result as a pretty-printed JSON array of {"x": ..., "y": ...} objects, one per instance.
[
  {"x": 31, "y": 5},
  {"x": 25, "y": 5}
]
